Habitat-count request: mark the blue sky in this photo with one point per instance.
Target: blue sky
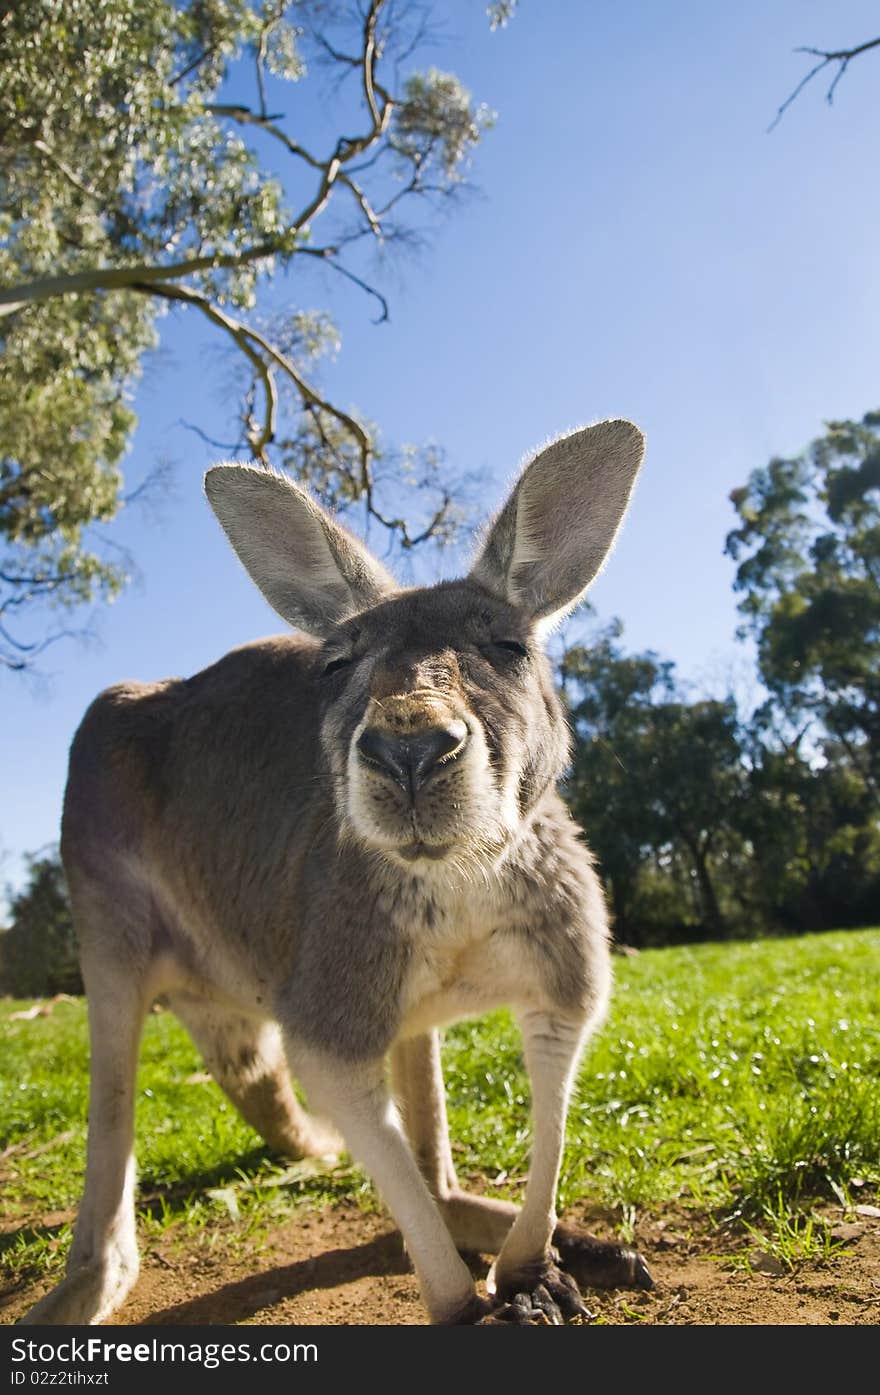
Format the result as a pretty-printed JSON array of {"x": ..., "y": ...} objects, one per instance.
[{"x": 639, "y": 246}]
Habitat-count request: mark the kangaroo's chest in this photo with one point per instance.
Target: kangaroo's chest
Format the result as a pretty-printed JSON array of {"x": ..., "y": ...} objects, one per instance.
[{"x": 464, "y": 959}]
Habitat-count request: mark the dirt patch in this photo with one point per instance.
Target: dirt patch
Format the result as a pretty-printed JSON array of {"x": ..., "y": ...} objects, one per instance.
[{"x": 344, "y": 1267}]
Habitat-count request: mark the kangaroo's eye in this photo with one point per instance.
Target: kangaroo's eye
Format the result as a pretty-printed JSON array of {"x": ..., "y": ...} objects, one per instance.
[
  {"x": 513, "y": 646},
  {"x": 334, "y": 665}
]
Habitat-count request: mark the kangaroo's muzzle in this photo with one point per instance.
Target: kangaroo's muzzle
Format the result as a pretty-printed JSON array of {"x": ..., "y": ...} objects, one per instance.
[{"x": 411, "y": 759}]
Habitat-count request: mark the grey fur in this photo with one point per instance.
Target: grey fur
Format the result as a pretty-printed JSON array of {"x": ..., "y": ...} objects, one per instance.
[
  {"x": 226, "y": 847},
  {"x": 283, "y": 523},
  {"x": 553, "y": 535}
]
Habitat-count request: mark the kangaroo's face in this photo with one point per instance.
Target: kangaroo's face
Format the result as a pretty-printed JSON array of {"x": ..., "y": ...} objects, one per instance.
[{"x": 440, "y": 723}]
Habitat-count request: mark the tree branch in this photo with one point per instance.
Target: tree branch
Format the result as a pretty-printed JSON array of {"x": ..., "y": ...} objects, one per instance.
[
  {"x": 369, "y": 60},
  {"x": 114, "y": 278},
  {"x": 209, "y": 440},
  {"x": 842, "y": 57},
  {"x": 246, "y": 117},
  {"x": 259, "y": 58},
  {"x": 247, "y": 339},
  {"x": 365, "y": 206},
  {"x": 35, "y": 579},
  {"x": 191, "y": 67},
  {"x": 24, "y": 655},
  {"x": 429, "y": 529},
  {"x": 327, "y": 256},
  {"x": 43, "y": 149},
  {"x": 258, "y": 439}
]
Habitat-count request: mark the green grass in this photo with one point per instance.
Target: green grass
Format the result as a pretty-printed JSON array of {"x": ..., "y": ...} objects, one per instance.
[
  {"x": 741, "y": 1080},
  {"x": 787, "y": 1236}
]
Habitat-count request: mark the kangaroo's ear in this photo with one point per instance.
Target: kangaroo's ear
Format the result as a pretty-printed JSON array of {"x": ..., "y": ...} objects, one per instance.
[
  {"x": 311, "y": 570},
  {"x": 558, "y": 526}
]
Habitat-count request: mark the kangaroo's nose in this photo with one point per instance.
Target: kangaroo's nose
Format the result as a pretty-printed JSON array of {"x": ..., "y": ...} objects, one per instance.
[{"x": 411, "y": 759}]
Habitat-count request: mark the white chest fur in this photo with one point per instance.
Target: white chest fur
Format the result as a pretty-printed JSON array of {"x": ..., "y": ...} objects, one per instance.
[{"x": 468, "y": 955}]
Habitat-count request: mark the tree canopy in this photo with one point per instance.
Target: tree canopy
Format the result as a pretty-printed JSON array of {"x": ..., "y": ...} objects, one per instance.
[
  {"x": 655, "y": 779},
  {"x": 131, "y": 182},
  {"x": 38, "y": 954},
  {"x": 708, "y": 819},
  {"x": 704, "y": 820},
  {"x": 808, "y": 555}
]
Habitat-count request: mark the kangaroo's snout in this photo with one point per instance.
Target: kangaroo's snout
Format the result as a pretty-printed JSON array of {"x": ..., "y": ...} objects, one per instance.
[{"x": 412, "y": 758}]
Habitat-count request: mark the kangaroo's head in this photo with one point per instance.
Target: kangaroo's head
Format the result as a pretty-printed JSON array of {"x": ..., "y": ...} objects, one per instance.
[{"x": 441, "y": 727}]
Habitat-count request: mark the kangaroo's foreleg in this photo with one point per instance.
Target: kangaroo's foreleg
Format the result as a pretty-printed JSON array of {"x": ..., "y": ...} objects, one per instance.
[
  {"x": 526, "y": 1272},
  {"x": 355, "y": 1098},
  {"x": 480, "y": 1224}
]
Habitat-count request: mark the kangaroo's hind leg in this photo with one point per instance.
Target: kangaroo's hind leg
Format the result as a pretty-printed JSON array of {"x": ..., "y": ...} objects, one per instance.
[
  {"x": 246, "y": 1057},
  {"x": 481, "y": 1224},
  {"x": 103, "y": 1263}
]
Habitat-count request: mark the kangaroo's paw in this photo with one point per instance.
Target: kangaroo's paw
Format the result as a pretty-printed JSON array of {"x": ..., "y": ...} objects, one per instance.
[{"x": 538, "y": 1294}]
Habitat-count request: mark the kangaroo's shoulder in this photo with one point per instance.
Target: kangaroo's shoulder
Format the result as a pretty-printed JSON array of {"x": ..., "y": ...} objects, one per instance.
[{"x": 289, "y": 658}]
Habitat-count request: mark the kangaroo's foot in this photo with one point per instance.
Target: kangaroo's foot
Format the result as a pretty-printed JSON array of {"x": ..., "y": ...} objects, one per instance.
[
  {"x": 600, "y": 1263},
  {"x": 538, "y": 1294}
]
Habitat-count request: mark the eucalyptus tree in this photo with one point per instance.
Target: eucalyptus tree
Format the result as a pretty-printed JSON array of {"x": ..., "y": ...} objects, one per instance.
[{"x": 139, "y": 141}]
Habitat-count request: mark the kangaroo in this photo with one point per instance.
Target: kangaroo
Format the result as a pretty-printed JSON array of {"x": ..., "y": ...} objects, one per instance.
[{"x": 328, "y": 845}]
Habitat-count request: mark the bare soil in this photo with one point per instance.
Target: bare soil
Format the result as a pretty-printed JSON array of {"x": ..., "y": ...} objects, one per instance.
[{"x": 342, "y": 1266}]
